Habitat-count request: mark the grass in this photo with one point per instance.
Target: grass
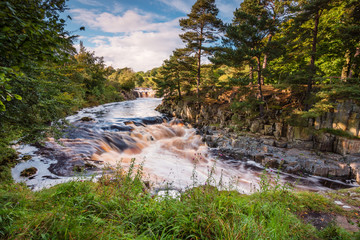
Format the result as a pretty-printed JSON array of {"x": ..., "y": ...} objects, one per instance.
[{"x": 121, "y": 207}]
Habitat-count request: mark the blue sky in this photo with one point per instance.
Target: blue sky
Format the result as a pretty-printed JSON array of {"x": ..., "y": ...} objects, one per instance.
[{"x": 139, "y": 34}]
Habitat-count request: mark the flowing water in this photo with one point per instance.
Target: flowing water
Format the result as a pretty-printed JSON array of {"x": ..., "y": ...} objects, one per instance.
[{"x": 170, "y": 153}]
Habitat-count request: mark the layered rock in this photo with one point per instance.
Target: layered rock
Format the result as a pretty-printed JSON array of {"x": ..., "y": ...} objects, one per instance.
[{"x": 274, "y": 142}]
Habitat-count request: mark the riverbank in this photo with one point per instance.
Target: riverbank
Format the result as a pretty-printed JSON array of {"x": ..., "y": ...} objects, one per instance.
[
  {"x": 280, "y": 139},
  {"x": 122, "y": 207},
  {"x": 9, "y": 157}
]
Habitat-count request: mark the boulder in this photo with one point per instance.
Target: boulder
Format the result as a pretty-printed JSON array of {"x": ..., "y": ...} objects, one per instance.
[
  {"x": 28, "y": 172},
  {"x": 324, "y": 142}
]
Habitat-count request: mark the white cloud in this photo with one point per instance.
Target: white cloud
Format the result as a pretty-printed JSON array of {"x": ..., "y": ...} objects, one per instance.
[
  {"x": 134, "y": 38},
  {"x": 141, "y": 51},
  {"x": 137, "y": 39},
  {"x": 129, "y": 21}
]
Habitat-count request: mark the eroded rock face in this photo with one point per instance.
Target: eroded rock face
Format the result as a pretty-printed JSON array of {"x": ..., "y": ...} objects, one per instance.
[
  {"x": 346, "y": 117},
  {"x": 272, "y": 153},
  {"x": 276, "y": 144}
]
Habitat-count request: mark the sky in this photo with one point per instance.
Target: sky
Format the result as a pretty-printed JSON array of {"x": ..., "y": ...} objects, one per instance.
[{"x": 139, "y": 34}]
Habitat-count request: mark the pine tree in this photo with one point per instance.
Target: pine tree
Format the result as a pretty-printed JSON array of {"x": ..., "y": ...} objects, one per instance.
[
  {"x": 176, "y": 73},
  {"x": 201, "y": 28},
  {"x": 245, "y": 40},
  {"x": 311, "y": 10}
]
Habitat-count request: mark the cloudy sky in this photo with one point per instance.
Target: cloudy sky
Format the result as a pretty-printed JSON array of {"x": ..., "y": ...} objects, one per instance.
[{"x": 139, "y": 34}]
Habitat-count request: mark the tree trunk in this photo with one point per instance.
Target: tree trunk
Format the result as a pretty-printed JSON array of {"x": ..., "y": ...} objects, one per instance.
[
  {"x": 251, "y": 73},
  {"x": 198, "y": 72},
  {"x": 353, "y": 66},
  {"x": 260, "y": 95},
  {"x": 313, "y": 59},
  {"x": 199, "y": 65},
  {"x": 265, "y": 60},
  {"x": 178, "y": 88},
  {"x": 346, "y": 67}
]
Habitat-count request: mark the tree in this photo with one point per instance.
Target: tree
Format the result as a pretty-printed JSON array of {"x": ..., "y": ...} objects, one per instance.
[
  {"x": 245, "y": 40},
  {"x": 123, "y": 79},
  {"x": 91, "y": 70},
  {"x": 177, "y": 71},
  {"x": 310, "y": 10},
  {"x": 201, "y": 28},
  {"x": 32, "y": 33},
  {"x": 35, "y": 50},
  {"x": 349, "y": 32}
]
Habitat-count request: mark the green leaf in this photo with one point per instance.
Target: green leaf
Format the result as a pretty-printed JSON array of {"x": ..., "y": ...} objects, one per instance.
[
  {"x": 18, "y": 97},
  {"x": 2, "y": 107}
]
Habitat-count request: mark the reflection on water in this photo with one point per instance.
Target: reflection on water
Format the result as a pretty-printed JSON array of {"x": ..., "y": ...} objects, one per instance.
[{"x": 169, "y": 152}]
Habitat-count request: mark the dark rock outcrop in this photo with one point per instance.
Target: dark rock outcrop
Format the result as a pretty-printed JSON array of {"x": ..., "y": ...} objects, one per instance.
[{"x": 277, "y": 144}]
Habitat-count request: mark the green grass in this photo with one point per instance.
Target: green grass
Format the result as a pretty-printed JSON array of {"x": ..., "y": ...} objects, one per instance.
[{"x": 121, "y": 207}]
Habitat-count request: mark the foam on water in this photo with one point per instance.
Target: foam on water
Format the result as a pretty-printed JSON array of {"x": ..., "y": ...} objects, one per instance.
[{"x": 170, "y": 153}]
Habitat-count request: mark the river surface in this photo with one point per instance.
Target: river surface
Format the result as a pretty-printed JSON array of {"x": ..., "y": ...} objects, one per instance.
[{"x": 169, "y": 153}]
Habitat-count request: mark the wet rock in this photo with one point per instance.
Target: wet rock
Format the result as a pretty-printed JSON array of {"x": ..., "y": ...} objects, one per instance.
[
  {"x": 321, "y": 170},
  {"x": 259, "y": 158},
  {"x": 301, "y": 144},
  {"x": 87, "y": 119},
  {"x": 280, "y": 144},
  {"x": 269, "y": 141},
  {"x": 26, "y": 157},
  {"x": 29, "y": 172},
  {"x": 270, "y": 162},
  {"x": 89, "y": 166},
  {"x": 293, "y": 169},
  {"x": 78, "y": 168}
]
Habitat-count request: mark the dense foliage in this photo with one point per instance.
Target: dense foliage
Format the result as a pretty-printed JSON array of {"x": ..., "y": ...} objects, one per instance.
[
  {"x": 42, "y": 77},
  {"x": 309, "y": 45}
]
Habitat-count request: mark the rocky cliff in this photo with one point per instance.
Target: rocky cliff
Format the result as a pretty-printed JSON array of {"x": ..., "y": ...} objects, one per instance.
[{"x": 325, "y": 146}]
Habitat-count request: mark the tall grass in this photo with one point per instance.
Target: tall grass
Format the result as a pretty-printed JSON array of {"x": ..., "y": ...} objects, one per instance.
[{"x": 121, "y": 207}]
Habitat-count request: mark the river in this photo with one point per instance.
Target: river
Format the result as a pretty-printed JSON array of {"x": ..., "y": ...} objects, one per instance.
[{"x": 170, "y": 153}]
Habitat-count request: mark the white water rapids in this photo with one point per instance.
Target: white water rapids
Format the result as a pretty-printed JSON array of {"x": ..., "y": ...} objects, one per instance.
[{"x": 170, "y": 152}]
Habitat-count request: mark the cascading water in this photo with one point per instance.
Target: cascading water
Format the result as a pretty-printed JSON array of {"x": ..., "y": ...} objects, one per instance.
[{"x": 170, "y": 153}]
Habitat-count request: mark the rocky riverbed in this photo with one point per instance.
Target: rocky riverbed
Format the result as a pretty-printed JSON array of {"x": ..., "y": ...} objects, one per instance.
[
  {"x": 274, "y": 143},
  {"x": 279, "y": 154}
]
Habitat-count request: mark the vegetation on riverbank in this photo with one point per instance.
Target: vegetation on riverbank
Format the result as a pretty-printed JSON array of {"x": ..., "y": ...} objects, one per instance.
[
  {"x": 121, "y": 207},
  {"x": 42, "y": 76}
]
